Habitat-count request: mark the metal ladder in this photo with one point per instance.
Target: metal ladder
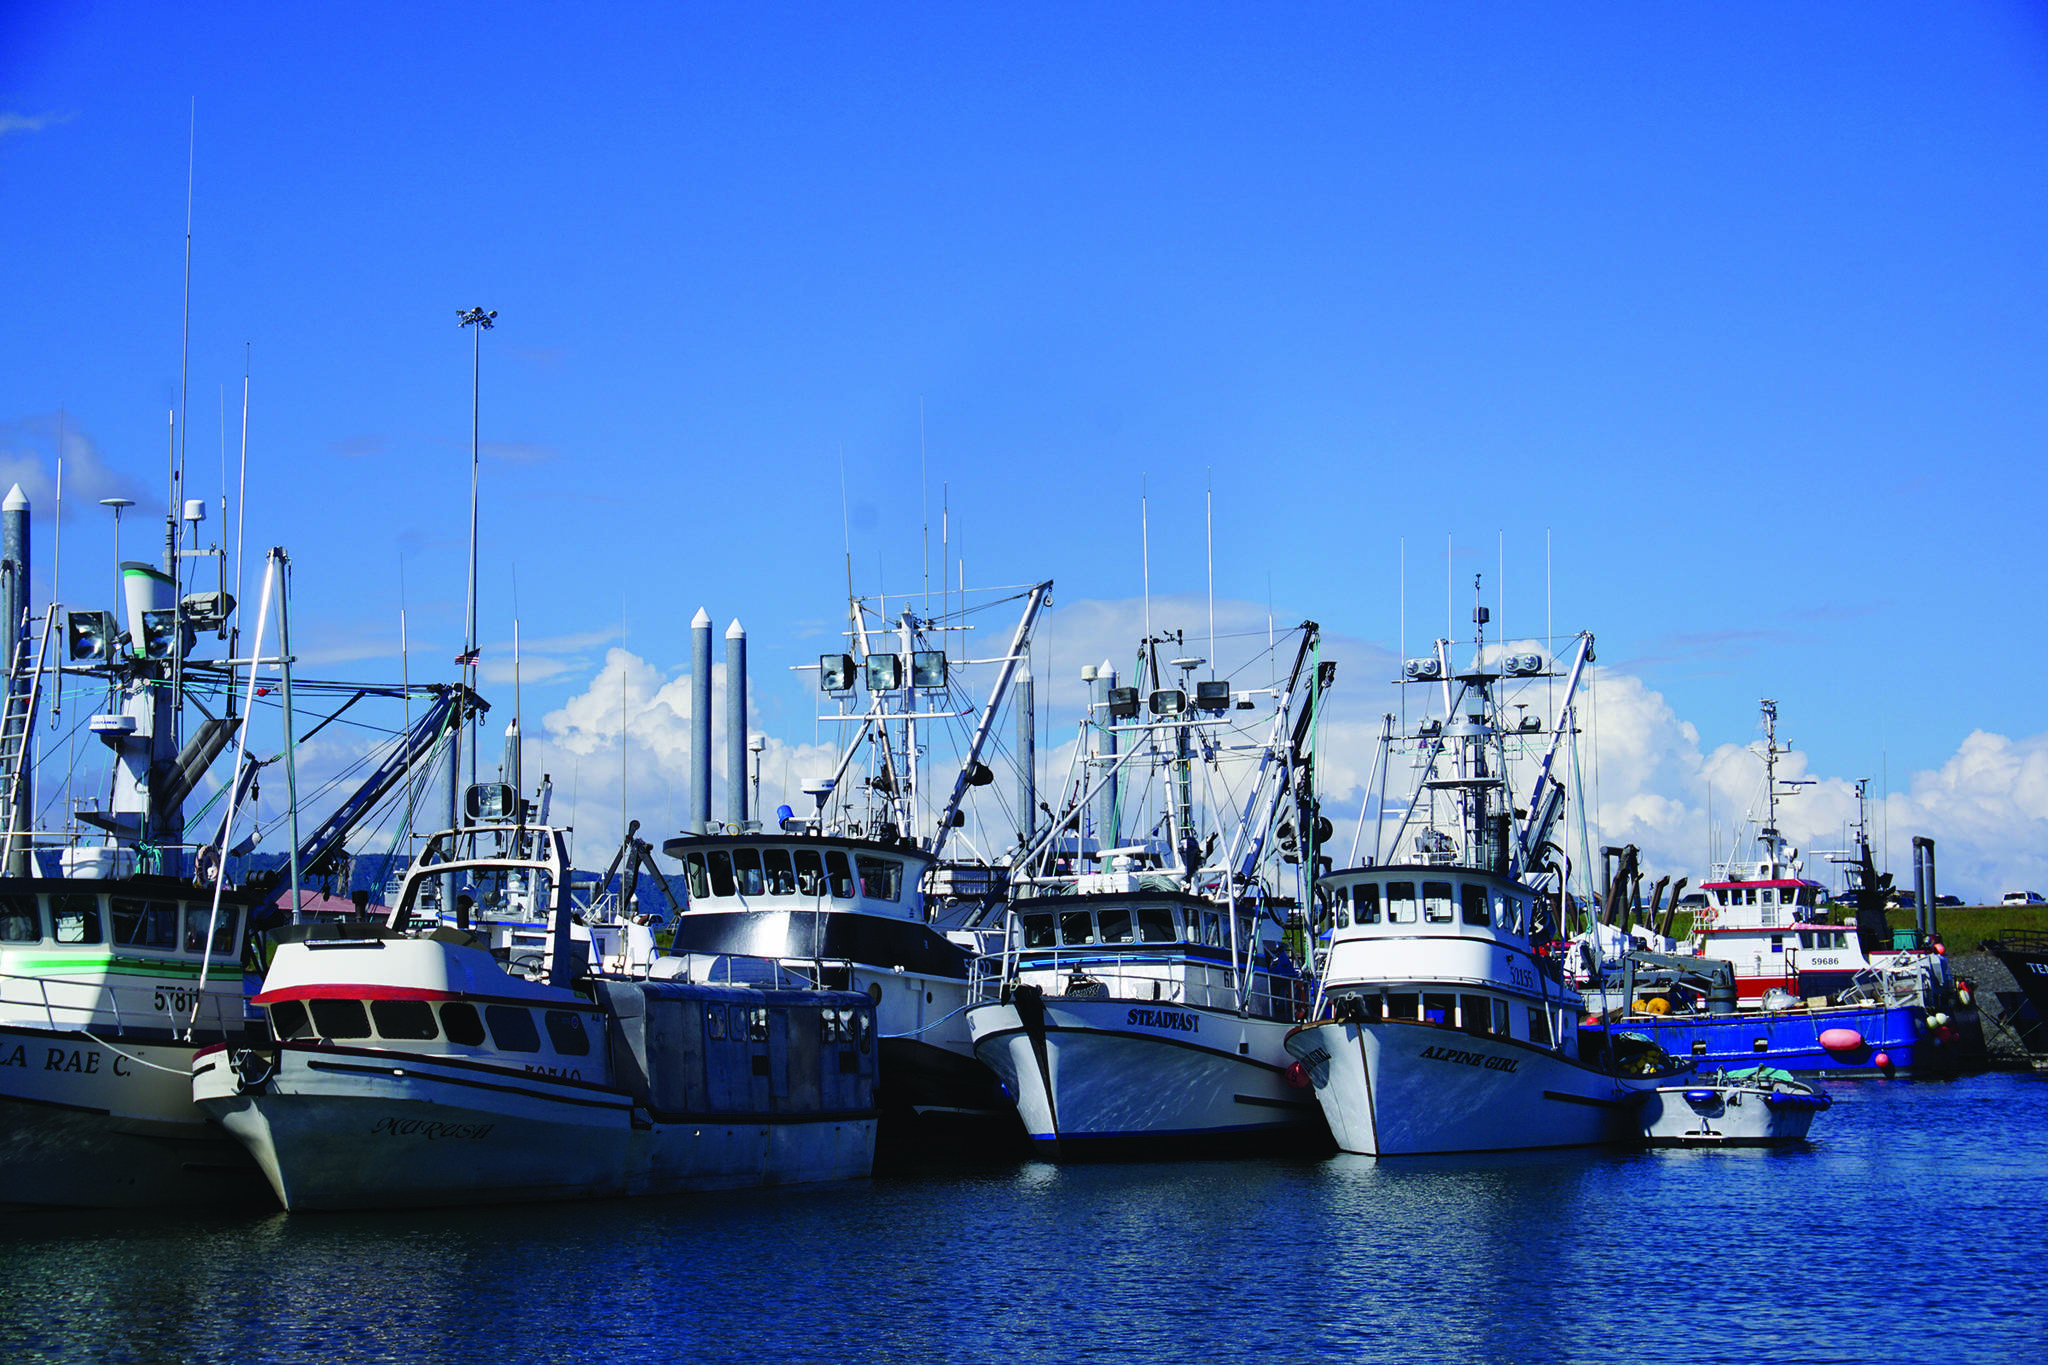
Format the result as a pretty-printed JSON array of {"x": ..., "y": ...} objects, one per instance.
[{"x": 17, "y": 726}]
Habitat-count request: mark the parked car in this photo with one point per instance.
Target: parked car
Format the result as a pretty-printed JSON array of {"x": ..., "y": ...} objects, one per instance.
[
  {"x": 1693, "y": 900},
  {"x": 1948, "y": 900},
  {"x": 1906, "y": 900},
  {"x": 2024, "y": 898}
]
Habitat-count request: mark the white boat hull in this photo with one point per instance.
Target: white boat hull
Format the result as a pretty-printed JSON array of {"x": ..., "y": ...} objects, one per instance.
[
  {"x": 1401, "y": 1088},
  {"x": 1723, "y": 1116},
  {"x": 341, "y": 1128},
  {"x": 1136, "y": 1075},
  {"x": 109, "y": 1123}
]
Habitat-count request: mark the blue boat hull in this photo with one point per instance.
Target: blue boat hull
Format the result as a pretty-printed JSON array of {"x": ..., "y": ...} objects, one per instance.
[{"x": 1790, "y": 1040}]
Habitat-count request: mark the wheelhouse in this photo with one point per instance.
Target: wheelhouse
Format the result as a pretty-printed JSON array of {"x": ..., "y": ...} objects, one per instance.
[{"x": 765, "y": 872}]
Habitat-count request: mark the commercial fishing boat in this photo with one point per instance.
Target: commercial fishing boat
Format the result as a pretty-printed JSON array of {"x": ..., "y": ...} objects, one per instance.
[
  {"x": 1142, "y": 1008},
  {"x": 411, "y": 1066},
  {"x": 856, "y": 895},
  {"x": 1443, "y": 1022},
  {"x": 1809, "y": 996}
]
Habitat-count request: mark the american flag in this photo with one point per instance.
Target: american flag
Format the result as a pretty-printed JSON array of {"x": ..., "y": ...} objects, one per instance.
[{"x": 469, "y": 658}]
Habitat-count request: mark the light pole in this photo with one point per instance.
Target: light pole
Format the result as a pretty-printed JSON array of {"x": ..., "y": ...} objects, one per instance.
[{"x": 483, "y": 322}]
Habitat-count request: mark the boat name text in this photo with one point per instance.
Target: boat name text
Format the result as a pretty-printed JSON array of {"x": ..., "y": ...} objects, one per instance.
[
  {"x": 1173, "y": 1019},
  {"x": 432, "y": 1132},
  {"x": 84, "y": 1061},
  {"x": 1451, "y": 1054}
]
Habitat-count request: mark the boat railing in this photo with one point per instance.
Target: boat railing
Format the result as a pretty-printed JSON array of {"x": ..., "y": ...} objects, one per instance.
[
  {"x": 1883, "y": 986},
  {"x": 61, "y": 1003}
]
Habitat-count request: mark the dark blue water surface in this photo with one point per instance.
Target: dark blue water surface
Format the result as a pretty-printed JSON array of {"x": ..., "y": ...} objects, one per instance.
[{"x": 1910, "y": 1229}]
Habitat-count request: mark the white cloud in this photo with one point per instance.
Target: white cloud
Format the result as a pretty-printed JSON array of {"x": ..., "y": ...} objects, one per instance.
[
  {"x": 30, "y": 123},
  {"x": 28, "y": 451}
]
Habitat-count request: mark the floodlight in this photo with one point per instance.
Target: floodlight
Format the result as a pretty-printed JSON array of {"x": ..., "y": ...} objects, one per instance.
[
  {"x": 928, "y": 669},
  {"x": 885, "y": 672},
  {"x": 90, "y": 635},
  {"x": 835, "y": 672}
]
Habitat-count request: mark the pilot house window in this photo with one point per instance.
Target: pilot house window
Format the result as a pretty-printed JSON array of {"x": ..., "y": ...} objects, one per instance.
[
  {"x": 881, "y": 879},
  {"x": 20, "y": 920},
  {"x": 746, "y": 867},
  {"x": 76, "y": 918},
  {"x": 1365, "y": 903},
  {"x": 781, "y": 878},
  {"x": 1474, "y": 899},
  {"x": 1436, "y": 902},
  {"x": 1400, "y": 902},
  {"x": 721, "y": 873},
  {"x": 840, "y": 875},
  {"x": 810, "y": 873}
]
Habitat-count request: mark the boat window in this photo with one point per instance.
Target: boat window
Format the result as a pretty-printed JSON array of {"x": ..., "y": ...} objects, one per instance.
[
  {"x": 881, "y": 879},
  {"x": 1474, "y": 901},
  {"x": 1076, "y": 927},
  {"x": 459, "y": 1020},
  {"x": 721, "y": 873},
  {"x": 20, "y": 920},
  {"x": 145, "y": 924},
  {"x": 1539, "y": 1027},
  {"x": 1343, "y": 918},
  {"x": 404, "y": 1018},
  {"x": 1038, "y": 931},
  {"x": 288, "y": 1020},
  {"x": 196, "y": 918},
  {"x": 1500, "y": 1018},
  {"x": 1365, "y": 901},
  {"x": 1340, "y": 897},
  {"x": 736, "y": 1027},
  {"x": 1750, "y": 896},
  {"x": 1436, "y": 902},
  {"x": 1400, "y": 902},
  {"x": 1805, "y": 940},
  {"x": 1212, "y": 928},
  {"x": 840, "y": 875},
  {"x": 700, "y": 881},
  {"x": 1777, "y": 943},
  {"x": 1116, "y": 926},
  {"x": 1155, "y": 924},
  {"x": 566, "y": 1032},
  {"x": 714, "y": 1023},
  {"x": 757, "y": 1025},
  {"x": 76, "y": 918},
  {"x": 512, "y": 1025},
  {"x": 810, "y": 872},
  {"x": 1507, "y": 914},
  {"x": 1770, "y": 896},
  {"x": 1475, "y": 1014},
  {"x": 781, "y": 877},
  {"x": 746, "y": 866},
  {"x": 340, "y": 1018},
  {"x": 1401, "y": 1005},
  {"x": 1437, "y": 1009}
]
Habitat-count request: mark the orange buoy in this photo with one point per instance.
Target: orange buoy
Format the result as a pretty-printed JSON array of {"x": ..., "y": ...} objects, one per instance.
[{"x": 1883, "y": 1060}]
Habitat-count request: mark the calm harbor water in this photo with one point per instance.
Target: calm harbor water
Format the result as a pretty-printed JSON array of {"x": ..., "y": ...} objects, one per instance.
[{"x": 1910, "y": 1229}]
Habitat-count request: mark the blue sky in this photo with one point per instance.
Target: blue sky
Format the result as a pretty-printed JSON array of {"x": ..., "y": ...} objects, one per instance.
[{"x": 1740, "y": 307}]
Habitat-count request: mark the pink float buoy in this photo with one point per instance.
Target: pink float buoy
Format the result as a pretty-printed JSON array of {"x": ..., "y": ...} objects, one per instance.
[
  {"x": 1883, "y": 1060},
  {"x": 1841, "y": 1039}
]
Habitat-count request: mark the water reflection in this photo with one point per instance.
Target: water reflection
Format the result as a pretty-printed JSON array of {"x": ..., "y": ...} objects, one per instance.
[{"x": 1912, "y": 1196}]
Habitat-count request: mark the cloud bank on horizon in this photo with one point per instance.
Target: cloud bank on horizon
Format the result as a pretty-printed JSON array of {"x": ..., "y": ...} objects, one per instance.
[{"x": 1649, "y": 777}]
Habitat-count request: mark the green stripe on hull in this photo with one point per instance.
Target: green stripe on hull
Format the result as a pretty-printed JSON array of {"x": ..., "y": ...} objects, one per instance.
[{"x": 118, "y": 966}]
